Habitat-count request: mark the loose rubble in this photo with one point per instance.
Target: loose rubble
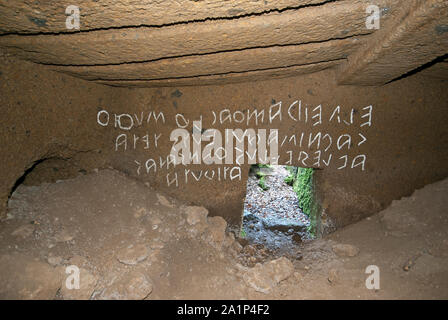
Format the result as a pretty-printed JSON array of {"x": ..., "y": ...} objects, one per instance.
[{"x": 130, "y": 244}]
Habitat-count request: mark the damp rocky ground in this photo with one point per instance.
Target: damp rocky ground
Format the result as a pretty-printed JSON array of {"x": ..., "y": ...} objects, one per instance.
[
  {"x": 272, "y": 217},
  {"x": 130, "y": 242}
]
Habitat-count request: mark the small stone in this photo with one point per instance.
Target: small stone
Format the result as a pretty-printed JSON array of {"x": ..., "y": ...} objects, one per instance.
[
  {"x": 87, "y": 283},
  {"x": 55, "y": 261},
  {"x": 132, "y": 286},
  {"x": 196, "y": 215},
  {"x": 297, "y": 238},
  {"x": 164, "y": 201},
  {"x": 333, "y": 276},
  {"x": 24, "y": 231},
  {"x": 249, "y": 250},
  {"x": 157, "y": 244},
  {"x": 63, "y": 236},
  {"x": 133, "y": 254},
  {"x": 140, "y": 212},
  {"x": 155, "y": 222},
  {"x": 263, "y": 277},
  {"x": 345, "y": 250}
]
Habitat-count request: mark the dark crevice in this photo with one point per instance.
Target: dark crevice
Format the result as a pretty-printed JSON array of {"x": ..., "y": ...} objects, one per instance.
[
  {"x": 253, "y": 14},
  {"x": 223, "y": 73},
  {"x": 33, "y": 166},
  {"x": 22, "y": 178},
  {"x": 421, "y": 68},
  {"x": 206, "y": 53}
]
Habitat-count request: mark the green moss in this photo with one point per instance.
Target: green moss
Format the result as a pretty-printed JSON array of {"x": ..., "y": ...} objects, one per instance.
[
  {"x": 289, "y": 180},
  {"x": 262, "y": 183},
  {"x": 303, "y": 186},
  {"x": 260, "y": 175}
]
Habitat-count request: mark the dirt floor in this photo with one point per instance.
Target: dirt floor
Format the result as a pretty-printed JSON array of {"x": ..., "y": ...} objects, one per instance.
[{"x": 129, "y": 242}]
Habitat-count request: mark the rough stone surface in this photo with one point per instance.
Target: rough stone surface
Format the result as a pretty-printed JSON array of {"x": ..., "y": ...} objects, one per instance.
[
  {"x": 216, "y": 230},
  {"x": 133, "y": 254},
  {"x": 310, "y": 24},
  {"x": 398, "y": 221},
  {"x": 87, "y": 283},
  {"x": 132, "y": 286},
  {"x": 232, "y": 77},
  {"x": 22, "y": 277},
  {"x": 409, "y": 113},
  {"x": 33, "y": 17},
  {"x": 393, "y": 52},
  {"x": 221, "y": 63}
]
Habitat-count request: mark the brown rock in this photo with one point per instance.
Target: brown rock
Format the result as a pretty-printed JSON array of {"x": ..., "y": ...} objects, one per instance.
[
  {"x": 164, "y": 201},
  {"x": 333, "y": 276},
  {"x": 217, "y": 229},
  {"x": 345, "y": 250},
  {"x": 263, "y": 277},
  {"x": 196, "y": 215}
]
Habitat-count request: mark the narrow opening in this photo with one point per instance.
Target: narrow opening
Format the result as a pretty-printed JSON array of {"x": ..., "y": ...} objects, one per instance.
[
  {"x": 22, "y": 178},
  {"x": 279, "y": 212},
  {"x": 48, "y": 170}
]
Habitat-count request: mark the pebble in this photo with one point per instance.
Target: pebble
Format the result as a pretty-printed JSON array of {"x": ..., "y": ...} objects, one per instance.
[
  {"x": 164, "y": 201},
  {"x": 345, "y": 250}
]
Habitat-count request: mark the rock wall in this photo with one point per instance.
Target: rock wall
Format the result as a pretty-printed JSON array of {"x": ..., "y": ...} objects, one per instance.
[
  {"x": 371, "y": 144},
  {"x": 375, "y": 154},
  {"x": 44, "y": 121}
]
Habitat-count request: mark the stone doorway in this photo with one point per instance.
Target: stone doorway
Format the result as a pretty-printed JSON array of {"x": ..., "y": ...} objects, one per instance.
[{"x": 277, "y": 209}]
